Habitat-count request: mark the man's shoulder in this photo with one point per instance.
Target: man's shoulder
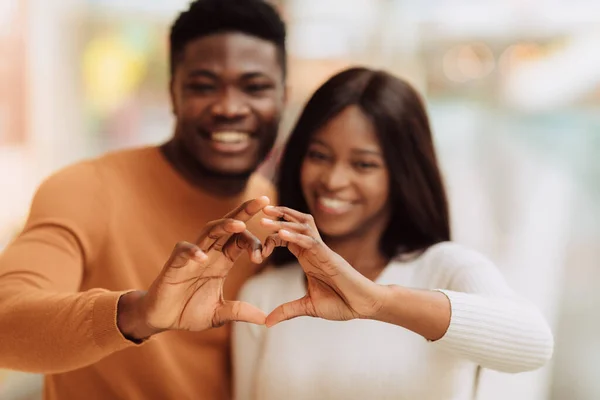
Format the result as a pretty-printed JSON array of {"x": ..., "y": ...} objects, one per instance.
[
  {"x": 91, "y": 174},
  {"x": 137, "y": 156},
  {"x": 87, "y": 166}
]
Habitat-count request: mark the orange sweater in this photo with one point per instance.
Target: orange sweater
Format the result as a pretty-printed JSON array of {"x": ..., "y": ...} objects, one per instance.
[{"x": 111, "y": 223}]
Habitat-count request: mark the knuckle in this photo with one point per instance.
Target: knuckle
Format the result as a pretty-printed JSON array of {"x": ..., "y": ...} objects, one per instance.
[
  {"x": 236, "y": 309},
  {"x": 246, "y": 206},
  {"x": 217, "y": 321},
  {"x": 240, "y": 242},
  {"x": 182, "y": 245}
]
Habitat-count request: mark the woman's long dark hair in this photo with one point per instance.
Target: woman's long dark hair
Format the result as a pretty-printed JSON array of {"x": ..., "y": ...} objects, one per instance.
[{"x": 420, "y": 216}]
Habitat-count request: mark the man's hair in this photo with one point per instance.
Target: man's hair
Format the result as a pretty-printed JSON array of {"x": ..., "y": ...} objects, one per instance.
[{"x": 255, "y": 18}]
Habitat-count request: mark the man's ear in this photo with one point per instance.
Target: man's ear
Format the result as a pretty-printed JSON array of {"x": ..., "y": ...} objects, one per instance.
[{"x": 172, "y": 95}]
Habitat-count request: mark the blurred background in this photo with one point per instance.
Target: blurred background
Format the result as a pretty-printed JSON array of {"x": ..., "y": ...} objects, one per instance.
[{"x": 513, "y": 91}]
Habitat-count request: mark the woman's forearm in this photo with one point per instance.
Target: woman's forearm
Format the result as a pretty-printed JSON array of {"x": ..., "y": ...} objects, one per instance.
[
  {"x": 501, "y": 333},
  {"x": 424, "y": 312}
]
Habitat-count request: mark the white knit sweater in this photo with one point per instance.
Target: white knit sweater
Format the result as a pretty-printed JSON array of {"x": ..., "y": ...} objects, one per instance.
[{"x": 310, "y": 358}]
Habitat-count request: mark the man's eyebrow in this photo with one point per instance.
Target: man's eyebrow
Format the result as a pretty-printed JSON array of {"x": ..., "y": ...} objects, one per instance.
[{"x": 199, "y": 73}]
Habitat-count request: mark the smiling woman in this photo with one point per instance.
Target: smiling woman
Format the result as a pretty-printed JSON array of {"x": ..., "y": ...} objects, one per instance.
[
  {"x": 345, "y": 183},
  {"x": 363, "y": 236},
  {"x": 364, "y": 137}
]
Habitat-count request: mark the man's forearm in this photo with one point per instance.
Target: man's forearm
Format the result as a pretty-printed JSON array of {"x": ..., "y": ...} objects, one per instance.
[{"x": 56, "y": 332}]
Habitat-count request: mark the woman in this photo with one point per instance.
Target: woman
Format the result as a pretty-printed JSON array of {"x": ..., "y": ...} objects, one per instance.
[{"x": 367, "y": 228}]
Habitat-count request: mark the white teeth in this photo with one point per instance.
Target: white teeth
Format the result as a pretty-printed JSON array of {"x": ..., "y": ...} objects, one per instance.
[
  {"x": 335, "y": 203},
  {"x": 230, "y": 137}
]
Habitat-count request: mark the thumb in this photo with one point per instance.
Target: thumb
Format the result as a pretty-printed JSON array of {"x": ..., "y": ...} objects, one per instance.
[
  {"x": 287, "y": 311},
  {"x": 238, "y": 311}
]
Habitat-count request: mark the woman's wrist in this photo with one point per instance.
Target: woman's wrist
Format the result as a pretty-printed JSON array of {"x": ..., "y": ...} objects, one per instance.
[
  {"x": 386, "y": 297},
  {"x": 422, "y": 311}
]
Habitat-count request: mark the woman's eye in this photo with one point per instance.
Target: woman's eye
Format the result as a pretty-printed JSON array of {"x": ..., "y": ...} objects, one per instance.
[
  {"x": 366, "y": 165},
  {"x": 316, "y": 155}
]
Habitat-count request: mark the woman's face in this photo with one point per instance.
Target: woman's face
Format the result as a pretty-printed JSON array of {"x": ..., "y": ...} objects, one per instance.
[{"x": 344, "y": 178}]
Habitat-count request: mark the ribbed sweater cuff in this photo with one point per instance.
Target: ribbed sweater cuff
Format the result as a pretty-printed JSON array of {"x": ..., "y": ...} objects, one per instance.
[
  {"x": 500, "y": 332},
  {"x": 104, "y": 323}
]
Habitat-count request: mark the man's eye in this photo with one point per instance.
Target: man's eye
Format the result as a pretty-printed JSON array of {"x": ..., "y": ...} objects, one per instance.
[
  {"x": 258, "y": 87},
  {"x": 200, "y": 87}
]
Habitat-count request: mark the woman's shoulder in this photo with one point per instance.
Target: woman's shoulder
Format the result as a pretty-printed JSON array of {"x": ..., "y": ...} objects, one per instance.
[
  {"x": 448, "y": 265},
  {"x": 454, "y": 254}
]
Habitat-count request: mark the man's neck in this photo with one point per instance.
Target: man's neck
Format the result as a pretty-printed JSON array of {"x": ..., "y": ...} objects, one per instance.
[{"x": 196, "y": 175}]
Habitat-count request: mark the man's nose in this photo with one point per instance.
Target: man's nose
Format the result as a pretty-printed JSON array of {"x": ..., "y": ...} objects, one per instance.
[{"x": 230, "y": 105}]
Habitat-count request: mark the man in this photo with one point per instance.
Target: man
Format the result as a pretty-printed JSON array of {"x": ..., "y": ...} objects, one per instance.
[{"x": 112, "y": 222}]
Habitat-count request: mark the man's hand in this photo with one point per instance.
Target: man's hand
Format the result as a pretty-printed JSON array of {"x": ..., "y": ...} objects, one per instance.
[{"x": 188, "y": 293}]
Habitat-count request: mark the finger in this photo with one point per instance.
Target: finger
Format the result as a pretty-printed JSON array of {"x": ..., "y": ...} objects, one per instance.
[
  {"x": 304, "y": 241},
  {"x": 243, "y": 213},
  {"x": 183, "y": 253},
  {"x": 218, "y": 231},
  {"x": 288, "y": 214},
  {"x": 238, "y": 311},
  {"x": 248, "y": 209},
  {"x": 290, "y": 226},
  {"x": 244, "y": 241},
  {"x": 271, "y": 242},
  {"x": 287, "y": 311}
]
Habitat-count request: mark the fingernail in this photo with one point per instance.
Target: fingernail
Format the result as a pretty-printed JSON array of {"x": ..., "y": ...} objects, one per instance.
[
  {"x": 200, "y": 254},
  {"x": 239, "y": 225},
  {"x": 267, "y": 221}
]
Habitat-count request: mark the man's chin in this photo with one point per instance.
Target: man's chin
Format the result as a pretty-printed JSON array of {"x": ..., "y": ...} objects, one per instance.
[{"x": 226, "y": 172}]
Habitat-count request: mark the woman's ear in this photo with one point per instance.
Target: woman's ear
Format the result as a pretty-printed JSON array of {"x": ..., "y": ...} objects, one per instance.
[{"x": 286, "y": 94}]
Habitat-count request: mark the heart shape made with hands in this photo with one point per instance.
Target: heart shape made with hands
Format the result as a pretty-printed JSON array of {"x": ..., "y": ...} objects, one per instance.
[
  {"x": 188, "y": 293},
  {"x": 335, "y": 290}
]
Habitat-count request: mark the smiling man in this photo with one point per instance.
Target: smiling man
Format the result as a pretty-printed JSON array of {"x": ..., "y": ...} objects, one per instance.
[
  {"x": 92, "y": 293},
  {"x": 227, "y": 93}
]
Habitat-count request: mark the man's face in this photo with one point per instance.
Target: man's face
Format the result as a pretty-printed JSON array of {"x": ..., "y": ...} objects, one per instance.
[{"x": 228, "y": 95}]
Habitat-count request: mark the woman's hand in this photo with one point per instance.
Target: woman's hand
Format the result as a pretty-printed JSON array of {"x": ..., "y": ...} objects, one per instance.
[{"x": 335, "y": 290}]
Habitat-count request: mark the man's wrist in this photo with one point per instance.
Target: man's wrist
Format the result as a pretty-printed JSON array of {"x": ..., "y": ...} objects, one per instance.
[{"x": 130, "y": 317}]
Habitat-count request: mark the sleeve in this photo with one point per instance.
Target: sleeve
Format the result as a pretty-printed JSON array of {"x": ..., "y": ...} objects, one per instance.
[
  {"x": 47, "y": 325},
  {"x": 247, "y": 347},
  {"x": 490, "y": 324}
]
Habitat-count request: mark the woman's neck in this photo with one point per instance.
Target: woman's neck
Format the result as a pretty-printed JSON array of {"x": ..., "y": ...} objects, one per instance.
[{"x": 362, "y": 252}]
